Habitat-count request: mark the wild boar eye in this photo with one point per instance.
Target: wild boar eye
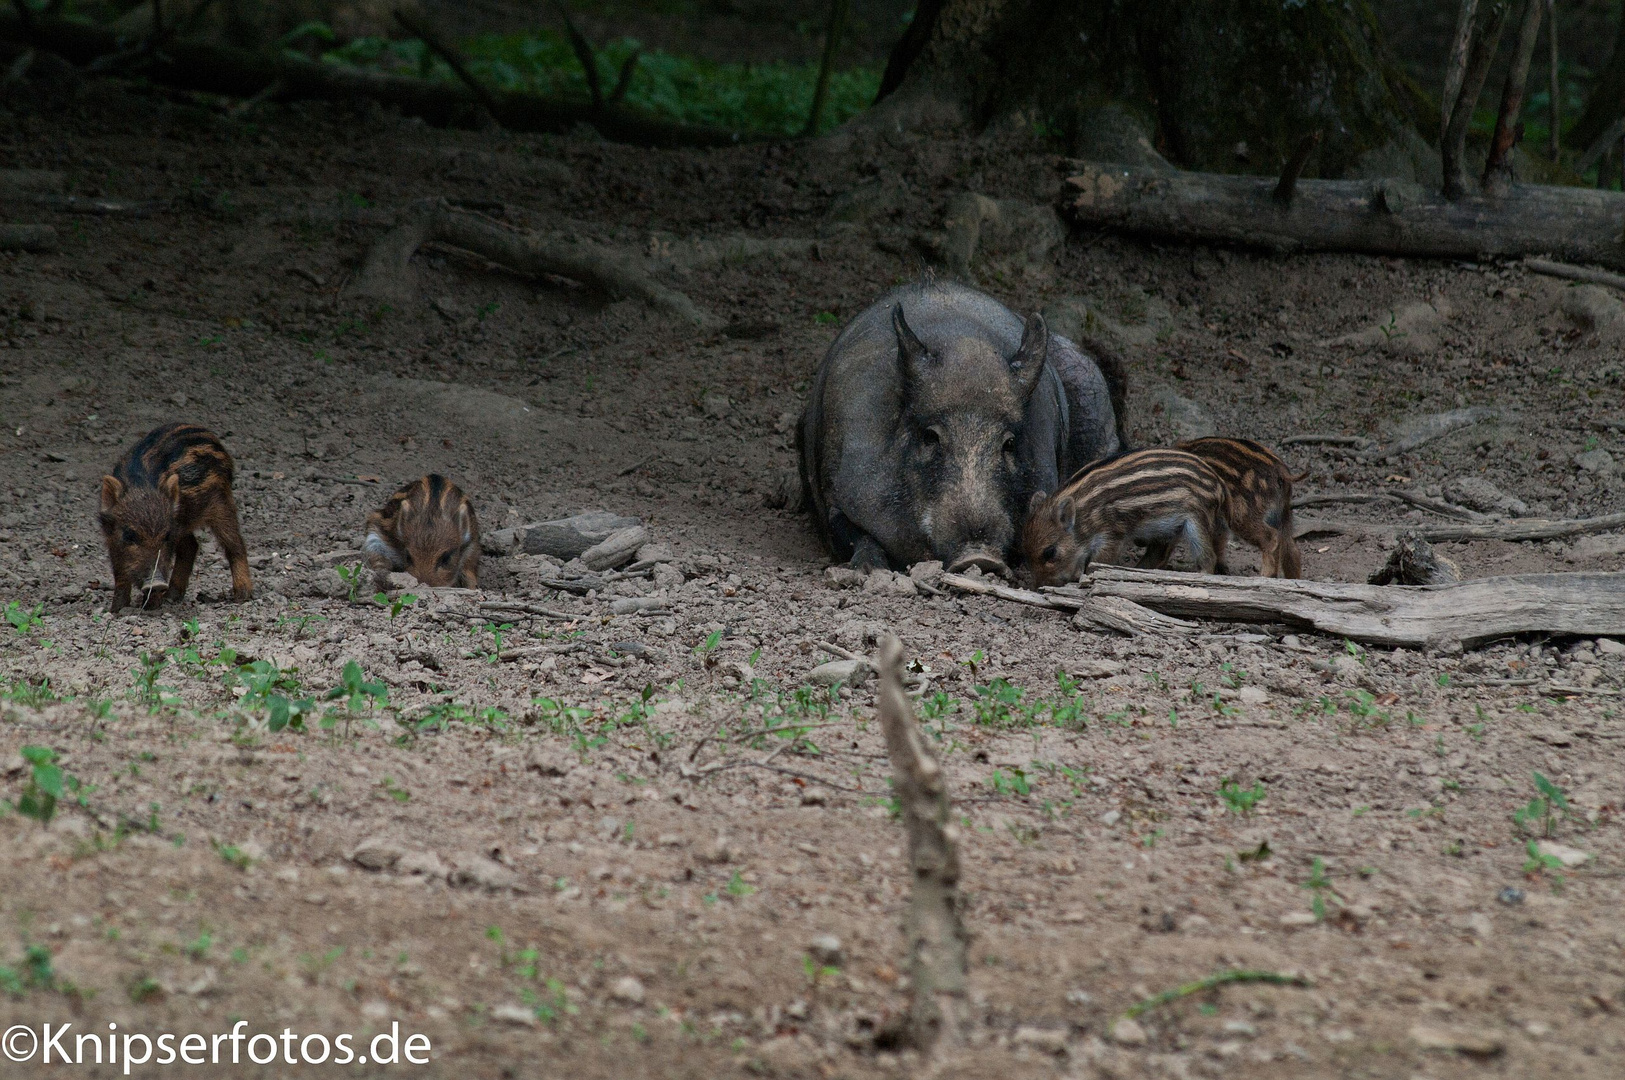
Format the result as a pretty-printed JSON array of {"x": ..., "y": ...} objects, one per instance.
[
  {"x": 1009, "y": 443},
  {"x": 444, "y": 560},
  {"x": 930, "y": 437},
  {"x": 1049, "y": 554},
  {"x": 129, "y": 536}
]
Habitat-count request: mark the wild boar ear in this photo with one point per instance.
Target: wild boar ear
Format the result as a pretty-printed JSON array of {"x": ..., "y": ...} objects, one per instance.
[
  {"x": 1028, "y": 362},
  {"x": 911, "y": 352},
  {"x": 465, "y": 522},
  {"x": 1066, "y": 513},
  {"x": 1035, "y": 502},
  {"x": 112, "y": 491},
  {"x": 170, "y": 488}
]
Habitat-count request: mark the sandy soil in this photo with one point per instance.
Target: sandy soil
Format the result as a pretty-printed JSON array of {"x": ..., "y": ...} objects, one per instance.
[{"x": 558, "y": 847}]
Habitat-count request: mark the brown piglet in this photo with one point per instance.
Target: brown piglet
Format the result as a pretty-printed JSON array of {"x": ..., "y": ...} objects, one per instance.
[
  {"x": 172, "y": 483},
  {"x": 428, "y": 529},
  {"x": 1258, "y": 490},
  {"x": 1157, "y": 498}
]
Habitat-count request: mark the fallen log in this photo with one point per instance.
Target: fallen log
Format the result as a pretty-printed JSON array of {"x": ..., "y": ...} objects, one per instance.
[
  {"x": 1585, "y": 605},
  {"x": 243, "y": 73},
  {"x": 1383, "y": 217},
  {"x": 1520, "y": 529},
  {"x": 37, "y": 238},
  {"x": 1103, "y": 613}
]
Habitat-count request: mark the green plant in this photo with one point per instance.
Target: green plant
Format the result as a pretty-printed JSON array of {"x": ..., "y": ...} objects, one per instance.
[
  {"x": 300, "y": 623},
  {"x": 1012, "y": 783},
  {"x": 148, "y": 690},
  {"x": 47, "y": 784},
  {"x": 496, "y": 631},
  {"x": 394, "y": 790},
  {"x": 198, "y": 948},
  {"x": 998, "y": 704},
  {"x": 1240, "y": 800},
  {"x": 143, "y": 989},
  {"x": 352, "y": 577},
  {"x": 1068, "y": 709},
  {"x": 815, "y": 971},
  {"x": 737, "y": 887},
  {"x": 712, "y": 640},
  {"x": 232, "y": 854},
  {"x": 395, "y": 604},
  {"x": 24, "y": 620},
  {"x": 1320, "y": 887},
  {"x": 355, "y": 693},
  {"x": 1539, "y": 863},
  {"x": 1544, "y": 809}
]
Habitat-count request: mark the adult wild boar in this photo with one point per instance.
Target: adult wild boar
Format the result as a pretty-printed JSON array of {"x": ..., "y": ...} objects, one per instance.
[{"x": 935, "y": 415}]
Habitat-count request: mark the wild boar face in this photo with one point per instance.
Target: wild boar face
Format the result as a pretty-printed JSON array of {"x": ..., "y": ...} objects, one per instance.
[
  {"x": 959, "y": 434},
  {"x": 141, "y": 527}
]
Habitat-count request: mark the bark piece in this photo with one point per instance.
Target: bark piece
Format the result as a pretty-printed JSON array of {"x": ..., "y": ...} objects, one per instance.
[
  {"x": 568, "y": 538},
  {"x": 1385, "y": 217},
  {"x": 1585, "y": 605},
  {"x": 1414, "y": 562},
  {"x": 934, "y": 925},
  {"x": 617, "y": 549}
]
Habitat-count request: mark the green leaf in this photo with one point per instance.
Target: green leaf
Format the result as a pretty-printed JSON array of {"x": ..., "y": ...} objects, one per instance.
[{"x": 48, "y": 778}]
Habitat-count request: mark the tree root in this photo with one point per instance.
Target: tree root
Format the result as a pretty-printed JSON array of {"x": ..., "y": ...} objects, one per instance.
[{"x": 386, "y": 272}]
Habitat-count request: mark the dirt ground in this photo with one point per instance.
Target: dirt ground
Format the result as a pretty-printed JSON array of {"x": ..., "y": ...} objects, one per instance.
[{"x": 558, "y": 847}]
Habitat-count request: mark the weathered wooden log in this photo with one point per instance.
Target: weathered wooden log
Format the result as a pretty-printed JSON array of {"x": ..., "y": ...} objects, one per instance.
[
  {"x": 1384, "y": 217},
  {"x": 1470, "y": 612},
  {"x": 1520, "y": 529},
  {"x": 243, "y": 73}
]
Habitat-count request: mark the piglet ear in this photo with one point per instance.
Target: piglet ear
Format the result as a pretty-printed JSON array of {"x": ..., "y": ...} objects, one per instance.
[
  {"x": 112, "y": 491},
  {"x": 1066, "y": 513},
  {"x": 1035, "y": 502},
  {"x": 170, "y": 488},
  {"x": 465, "y": 522}
]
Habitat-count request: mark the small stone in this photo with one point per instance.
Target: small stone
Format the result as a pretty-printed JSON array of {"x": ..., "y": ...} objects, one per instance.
[
  {"x": 1478, "y": 924},
  {"x": 1511, "y": 895},
  {"x": 1600, "y": 462},
  {"x": 839, "y": 672},
  {"x": 1111, "y": 817},
  {"x": 1471, "y": 1041},
  {"x": 477, "y": 871},
  {"x": 929, "y": 573},
  {"x": 1294, "y": 920},
  {"x": 627, "y": 990},
  {"x": 515, "y": 1015},
  {"x": 631, "y": 605},
  {"x": 1607, "y": 646},
  {"x": 843, "y": 577},
  {"x": 1097, "y": 669},
  {"x": 1044, "y": 1040},
  {"x": 1252, "y": 695},
  {"x": 814, "y": 796},
  {"x": 1239, "y": 1027},
  {"x": 825, "y": 950},
  {"x": 549, "y": 762},
  {"x": 715, "y": 403},
  {"x": 1128, "y": 1032},
  {"x": 1568, "y": 856},
  {"x": 377, "y": 853}
]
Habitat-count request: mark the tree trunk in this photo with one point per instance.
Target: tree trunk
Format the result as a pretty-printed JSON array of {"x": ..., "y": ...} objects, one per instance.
[
  {"x": 1607, "y": 98},
  {"x": 1213, "y": 73},
  {"x": 1508, "y": 126}
]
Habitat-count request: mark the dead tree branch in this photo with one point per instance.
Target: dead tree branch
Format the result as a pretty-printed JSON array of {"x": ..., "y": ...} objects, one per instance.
[
  {"x": 832, "y": 42},
  {"x": 1453, "y": 148},
  {"x": 1508, "y": 128},
  {"x": 1294, "y": 168},
  {"x": 1585, "y": 605},
  {"x": 935, "y": 927},
  {"x": 1385, "y": 217},
  {"x": 451, "y": 56},
  {"x": 241, "y": 73},
  {"x": 1576, "y": 273}
]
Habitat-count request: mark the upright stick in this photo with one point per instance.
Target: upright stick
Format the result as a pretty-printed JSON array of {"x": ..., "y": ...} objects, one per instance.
[
  {"x": 1508, "y": 126},
  {"x": 937, "y": 942},
  {"x": 1556, "y": 87},
  {"x": 1482, "y": 55},
  {"x": 1455, "y": 68},
  {"x": 832, "y": 41}
]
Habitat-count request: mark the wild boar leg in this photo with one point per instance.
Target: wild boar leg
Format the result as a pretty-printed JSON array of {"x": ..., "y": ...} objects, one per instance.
[
  {"x": 867, "y": 554},
  {"x": 226, "y": 531},
  {"x": 181, "y": 576},
  {"x": 1157, "y": 553},
  {"x": 121, "y": 594}
]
